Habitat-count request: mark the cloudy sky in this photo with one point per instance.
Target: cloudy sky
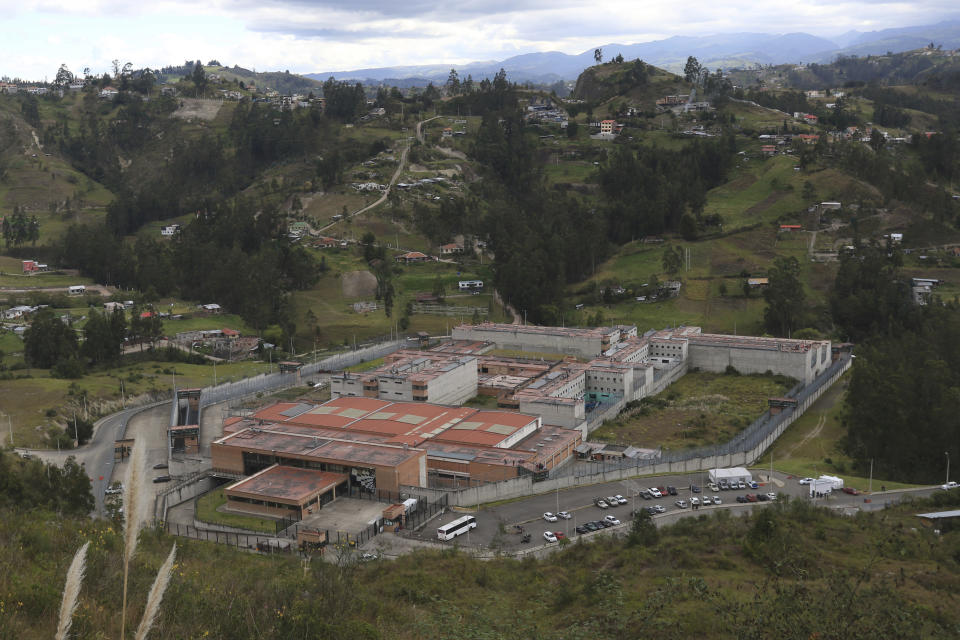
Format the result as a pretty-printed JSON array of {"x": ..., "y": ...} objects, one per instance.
[{"x": 330, "y": 35}]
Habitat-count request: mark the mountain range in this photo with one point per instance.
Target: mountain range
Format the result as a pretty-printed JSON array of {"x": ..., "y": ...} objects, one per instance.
[{"x": 722, "y": 50}]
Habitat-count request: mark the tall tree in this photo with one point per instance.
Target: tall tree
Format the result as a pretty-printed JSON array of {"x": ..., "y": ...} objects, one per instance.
[
  {"x": 598, "y": 55},
  {"x": 49, "y": 340},
  {"x": 784, "y": 296}
]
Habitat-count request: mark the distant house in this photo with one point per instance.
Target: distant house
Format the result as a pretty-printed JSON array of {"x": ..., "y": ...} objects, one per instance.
[
  {"x": 815, "y": 93},
  {"x": 606, "y": 126},
  {"x": 447, "y": 132},
  {"x": 108, "y": 92},
  {"x": 768, "y": 149},
  {"x": 113, "y": 306},
  {"x": 809, "y": 118},
  {"x": 451, "y": 249},
  {"x": 170, "y": 230},
  {"x": 791, "y": 227},
  {"x": 211, "y": 308},
  {"x": 808, "y": 138},
  {"x": 14, "y": 313},
  {"x": 32, "y": 266},
  {"x": 758, "y": 282},
  {"x": 413, "y": 257},
  {"x": 325, "y": 242}
]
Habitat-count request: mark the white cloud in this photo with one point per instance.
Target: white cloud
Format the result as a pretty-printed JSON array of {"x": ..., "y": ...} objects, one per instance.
[{"x": 321, "y": 35}]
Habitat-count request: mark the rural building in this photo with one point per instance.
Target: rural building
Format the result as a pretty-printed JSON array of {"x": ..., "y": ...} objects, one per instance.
[
  {"x": 280, "y": 491},
  {"x": 733, "y": 474},
  {"x": 451, "y": 249},
  {"x": 413, "y": 257},
  {"x": 413, "y": 377}
]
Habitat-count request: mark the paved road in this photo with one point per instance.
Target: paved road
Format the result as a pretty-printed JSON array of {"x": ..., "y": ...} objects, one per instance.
[
  {"x": 579, "y": 503},
  {"x": 97, "y": 455}
]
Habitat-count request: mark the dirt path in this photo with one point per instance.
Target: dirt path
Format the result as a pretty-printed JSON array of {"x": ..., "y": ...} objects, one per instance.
[
  {"x": 90, "y": 287},
  {"x": 393, "y": 180},
  {"x": 811, "y": 435}
]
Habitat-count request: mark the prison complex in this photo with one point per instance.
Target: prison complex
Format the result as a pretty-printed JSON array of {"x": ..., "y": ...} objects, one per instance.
[{"x": 403, "y": 424}]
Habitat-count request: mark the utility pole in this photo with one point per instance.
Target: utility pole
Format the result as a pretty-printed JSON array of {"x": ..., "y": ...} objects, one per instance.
[
  {"x": 870, "y": 488},
  {"x": 946, "y": 453}
]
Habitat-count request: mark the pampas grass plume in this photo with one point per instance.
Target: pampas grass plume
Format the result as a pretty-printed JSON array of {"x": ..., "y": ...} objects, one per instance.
[
  {"x": 156, "y": 595},
  {"x": 71, "y": 591},
  {"x": 132, "y": 523}
]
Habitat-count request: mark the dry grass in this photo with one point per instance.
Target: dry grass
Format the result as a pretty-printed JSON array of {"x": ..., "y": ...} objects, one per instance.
[
  {"x": 133, "y": 522},
  {"x": 156, "y": 595},
  {"x": 71, "y": 591}
]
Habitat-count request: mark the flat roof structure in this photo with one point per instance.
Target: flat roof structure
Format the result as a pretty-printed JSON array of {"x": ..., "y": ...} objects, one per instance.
[
  {"x": 464, "y": 347},
  {"x": 287, "y": 483}
]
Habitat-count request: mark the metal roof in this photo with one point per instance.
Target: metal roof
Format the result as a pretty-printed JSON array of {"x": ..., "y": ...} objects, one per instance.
[{"x": 937, "y": 515}]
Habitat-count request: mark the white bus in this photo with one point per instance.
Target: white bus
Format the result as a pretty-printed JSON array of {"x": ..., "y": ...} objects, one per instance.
[
  {"x": 455, "y": 528},
  {"x": 466, "y": 285},
  {"x": 76, "y": 290}
]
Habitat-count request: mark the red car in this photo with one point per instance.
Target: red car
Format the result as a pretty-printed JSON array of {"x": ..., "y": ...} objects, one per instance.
[
  {"x": 751, "y": 497},
  {"x": 560, "y": 535},
  {"x": 851, "y": 491}
]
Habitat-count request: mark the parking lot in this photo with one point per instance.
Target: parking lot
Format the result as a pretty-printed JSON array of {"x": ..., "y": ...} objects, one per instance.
[{"x": 498, "y": 525}]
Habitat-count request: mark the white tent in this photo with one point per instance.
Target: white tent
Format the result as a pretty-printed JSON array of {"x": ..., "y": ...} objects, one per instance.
[{"x": 733, "y": 474}]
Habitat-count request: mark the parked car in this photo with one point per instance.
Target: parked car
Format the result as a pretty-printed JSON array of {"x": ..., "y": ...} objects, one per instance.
[
  {"x": 753, "y": 484},
  {"x": 549, "y": 517},
  {"x": 563, "y": 514},
  {"x": 659, "y": 508},
  {"x": 652, "y": 510},
  {"x": 805, "y": 480},
  {"x": 681, "y": 503},
  {"x": 724, "y": 486},
  {"x": 582, "y": 529},
  {"x": 751, "y": 497},
  {"x": 773, "y": 495},
  {"x": 114, "y": 488},
  {"x": 161, "y": 479},
  {"x": 549, "y": 536},
  {"x": 160, "y": 465},
  {"x": 694, "y": 501},
  {"x": 592, "y": 525},
  {"x": 600, "y": 502},
  {"x": 949, "y": 485},
  {"x": 713, "y": 486},
  {"x": 655, "y": 492},
  {"x": 717, "y": 500},
  {"x": 851, "y": 491},
  {"x": 621, "y": 499},
  {"x": 672, "y": 491},
  {"x": 694, "y": 488},
  {"x": 645, "y": 494},
  {"x": 742, "y": 499},
  {"x": 663, "y": 491},
  {"x": 560, "y": 535},
  {"x": 762, "y": 497},
  {"x": 612, "y": 501},
  {"x": 611, "y": 520},
  {"x": 741, "y": 484}
]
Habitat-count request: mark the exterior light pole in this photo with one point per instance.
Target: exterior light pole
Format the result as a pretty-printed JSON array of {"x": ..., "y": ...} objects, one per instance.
[{"x": 946, "y": 453}]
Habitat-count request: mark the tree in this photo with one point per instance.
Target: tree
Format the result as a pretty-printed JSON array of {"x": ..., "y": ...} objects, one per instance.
[
  {"x": 598, "y": 55},
  {"x": 199, "y": 78},
  {"x": 49, "y": 341},
  {"x": 784, "y": 296},
  {"x": 453, "y": 83},
  {"x": 64, "y": 77},
  {"x": 672, "y": 259},
  {"x": 618, "y": 59},
  {"x": 809, "y": 192},
  {"x": 692, "y": 70},
  {"x": 643, "y": 531}
]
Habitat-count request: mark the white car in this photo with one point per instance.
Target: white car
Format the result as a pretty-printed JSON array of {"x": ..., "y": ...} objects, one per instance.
[
  {"x": 949, "y": 485},
  {"x": 549, "y": 517},
  {"x": 549, "y": 536},
  {"x": 655, "y": 492},
  {"x": 114, "y": 489},
  {"x": 717, "y": 500},
  {"x": 564, "y": 515},
  {"x": 805, "y": 480},
  {"x": 659, "y": 508},
  {"x": 620, "y": 499},
  {"x": 681, "y": 504},
  {"x": 611, "y": 519},
  {"x": 772, "y": 495},
  {"x": 694, "y": 501}
]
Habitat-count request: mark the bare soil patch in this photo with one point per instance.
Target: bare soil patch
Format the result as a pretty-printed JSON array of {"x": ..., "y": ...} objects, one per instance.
[
  {"x": 197, "y": 108},
  {"x": 358, "y": 284}
]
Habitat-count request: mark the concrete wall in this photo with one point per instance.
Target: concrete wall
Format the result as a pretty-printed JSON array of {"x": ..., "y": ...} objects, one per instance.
[
  {"x": 796, "y": 364},
  {"x": 582, "y": 346},
  {"x": 525, "y": 486},
  {"x": 455, "y": 386},
  {"x": 568, "y": 415}
]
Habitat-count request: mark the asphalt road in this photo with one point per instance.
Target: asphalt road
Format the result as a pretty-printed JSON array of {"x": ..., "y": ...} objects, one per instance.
[
  {"x": 97, "y": 455},
  {"x": 528, "y": 512}
]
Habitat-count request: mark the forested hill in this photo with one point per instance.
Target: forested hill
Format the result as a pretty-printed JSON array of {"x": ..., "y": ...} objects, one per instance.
[{"x": 635, "y": 80}]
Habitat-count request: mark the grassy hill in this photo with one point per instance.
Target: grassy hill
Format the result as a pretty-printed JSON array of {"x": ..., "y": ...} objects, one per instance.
[
  {"x": 789, "y": 571},
  {"x": 603, "y": 82}
]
